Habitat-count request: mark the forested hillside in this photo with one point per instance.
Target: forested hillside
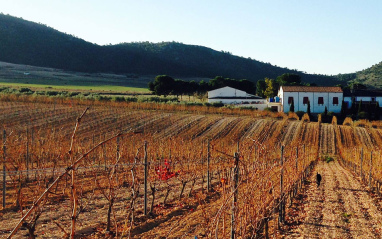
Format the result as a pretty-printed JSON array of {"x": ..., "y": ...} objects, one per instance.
[
  {"x": 25, "y": 42},
  {"x": 371, "y": 77}
]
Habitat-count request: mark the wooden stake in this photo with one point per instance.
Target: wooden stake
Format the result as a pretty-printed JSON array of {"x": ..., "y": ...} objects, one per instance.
[
  {"x": 145, "y": 182},
  {"x": 4, "y": 172}
]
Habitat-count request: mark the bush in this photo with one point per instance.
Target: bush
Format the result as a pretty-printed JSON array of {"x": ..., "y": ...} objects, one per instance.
[
  {"x": 348, "y": 121},
  {"x": 362, "y": 115},
  {"x": 118, "y": 99},
  {"x": 270, "y": 109},
  {"x": 25, "y": 90},
  {"x": 328, "y": 159},
  {"x": 300, "y": 114},
  {"x": 52, "y": 93},
  {"x": 217, "y": 104},
  {"x": 305, "y": 118}
]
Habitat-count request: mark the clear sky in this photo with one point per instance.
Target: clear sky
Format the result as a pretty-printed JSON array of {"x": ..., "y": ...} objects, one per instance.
[{"x": 316, "y": 36}]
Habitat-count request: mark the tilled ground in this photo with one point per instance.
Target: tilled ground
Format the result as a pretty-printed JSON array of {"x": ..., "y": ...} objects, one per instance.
[{"x": 340, "y": 207}]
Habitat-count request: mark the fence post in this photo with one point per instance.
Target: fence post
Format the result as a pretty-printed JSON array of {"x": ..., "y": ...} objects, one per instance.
[
  {"x": 235, "y": 192},
  {"x": 361, "y": 163},
  {"x": 4, "y": 172},
  {"x": 208, "y": 165},
  {"x": 281, "y": 211},
  {"x": 145, "y": 178},
  {"x": 371, "y": 165}
]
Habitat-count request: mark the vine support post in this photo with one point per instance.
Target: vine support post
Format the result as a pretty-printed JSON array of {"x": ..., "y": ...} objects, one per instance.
[
  {"x": 27, "y": 153},
  {"x": 303, "y": 164},
  {"x": 296, "y": 159},
  {"x": 281, "y": 211},
  {"x": 208, "y": 166},
  {"x": 361, "y": 163},
  {"x": 4, "y": 172},
  {"x": 117, "y": 159},
  {"x": 235, "y": 193},
  {"x": 371, "y": 166},
  {"x": 145, "y": 181}
]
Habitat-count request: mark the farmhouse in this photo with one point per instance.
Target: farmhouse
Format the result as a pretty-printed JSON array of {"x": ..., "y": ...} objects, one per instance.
[
  {"x": 229, "y": 95},
  {"x": 318, "y": 97},
  {"x": 366, "y": 96}
]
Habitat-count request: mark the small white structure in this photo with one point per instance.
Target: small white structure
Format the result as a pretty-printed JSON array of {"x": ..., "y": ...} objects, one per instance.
[
  {"x": 229, "y": 95},
  {"x": 317, "y": 96},
  {"x": 366, "y": 96}
]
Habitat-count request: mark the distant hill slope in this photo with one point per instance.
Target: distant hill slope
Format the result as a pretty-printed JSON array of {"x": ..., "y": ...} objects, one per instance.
[
  {"x": 371, "y": 77},
  {"x": 25, "y": 42}
]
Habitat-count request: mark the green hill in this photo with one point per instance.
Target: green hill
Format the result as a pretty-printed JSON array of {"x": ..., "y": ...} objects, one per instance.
[
  {"x": 25, "y": 42},
  {"x": 371, "y": 77}
]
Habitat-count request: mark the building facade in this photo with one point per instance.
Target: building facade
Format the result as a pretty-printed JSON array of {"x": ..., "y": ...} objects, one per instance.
[
  {"x": 318, "y": 97},
  {"x": 366, "y": 96},
  {"x": 229, "y": 95}
]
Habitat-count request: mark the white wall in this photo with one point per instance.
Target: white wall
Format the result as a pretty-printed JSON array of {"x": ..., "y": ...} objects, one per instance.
[
  {"x": 226, "y": 92},
  {"x": 298, "y": 98}
]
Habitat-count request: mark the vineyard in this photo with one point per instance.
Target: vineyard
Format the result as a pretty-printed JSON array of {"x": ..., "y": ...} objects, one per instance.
[{"x": 140, "y": 171}]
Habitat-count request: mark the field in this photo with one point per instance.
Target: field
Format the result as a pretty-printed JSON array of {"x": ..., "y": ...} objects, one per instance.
[
  {"x": 40, "y": 78},
  {"x": 209, "y": 172}
]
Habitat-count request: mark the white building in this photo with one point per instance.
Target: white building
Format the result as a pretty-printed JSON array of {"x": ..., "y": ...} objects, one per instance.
[
  {"x": 229, "y": 95},
  {"x": 318, "y": 97},
  {"x": 366, "y": 96}
]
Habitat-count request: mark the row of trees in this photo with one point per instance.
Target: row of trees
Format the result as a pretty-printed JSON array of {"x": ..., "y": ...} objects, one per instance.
[
  {"x": 166, "y": 85},
  {"x": 269, "y": 87}
]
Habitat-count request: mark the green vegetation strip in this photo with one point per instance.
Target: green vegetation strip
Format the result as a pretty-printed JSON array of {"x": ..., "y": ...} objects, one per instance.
[{"x": 98, "y": 88}]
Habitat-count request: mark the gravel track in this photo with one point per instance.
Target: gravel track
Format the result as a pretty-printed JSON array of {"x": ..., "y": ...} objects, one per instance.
[{"x": 340, "y": 208}]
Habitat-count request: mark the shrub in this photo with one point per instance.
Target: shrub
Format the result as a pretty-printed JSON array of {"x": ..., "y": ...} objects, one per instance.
[
  {"x": 293, "y": 115},
  {"x": 131, "y": 99},
  {"x": 270, "y": 109},
  {"x": 117, "y": 99},
  {"x": 52, "y": 93},
  {"x": 362, "y": 123},
  {"x": 334, "y": 120},
  {"x": 348, "y": 121},
  {"x": 305, "y": 118},
  {"x": 25, "y": 90},
  {"x": 362, "y": 115},
  {"x": 328, "y": 159},
  {"x": 217, "y": 104},
  {"x": 300, "y": 113}
]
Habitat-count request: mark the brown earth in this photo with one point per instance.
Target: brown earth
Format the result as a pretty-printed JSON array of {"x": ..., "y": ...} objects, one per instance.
[{"x": 340, "y": 207}]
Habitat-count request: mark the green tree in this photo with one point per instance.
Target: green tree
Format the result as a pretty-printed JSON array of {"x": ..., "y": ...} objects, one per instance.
[
  {"x": 308, "y": 110},
  {"x": 377, "y": 114},
  {"x": 291, "y": 109},
  {"x": 162, "y": 85},
  {"x": 260, "y": 88},
  {"x": 359, "y": 109},
  {"x": 288, "y": 79},
  {"x": 271, "y": 89},
  {"x": 343, "y": 110}
]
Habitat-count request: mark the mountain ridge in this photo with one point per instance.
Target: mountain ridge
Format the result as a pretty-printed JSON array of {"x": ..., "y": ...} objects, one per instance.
[{"x": 30, "y": 43}]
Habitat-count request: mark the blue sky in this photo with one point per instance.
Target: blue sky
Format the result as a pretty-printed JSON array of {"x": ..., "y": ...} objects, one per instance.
[{"x": 315, "y": 36}]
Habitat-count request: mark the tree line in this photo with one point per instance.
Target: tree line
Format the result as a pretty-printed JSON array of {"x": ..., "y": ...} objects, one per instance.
[{"x": 166, "y": 85}]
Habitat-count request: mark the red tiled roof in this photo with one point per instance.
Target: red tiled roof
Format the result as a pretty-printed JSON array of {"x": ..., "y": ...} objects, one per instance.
[{"x": 333, "y": 89}]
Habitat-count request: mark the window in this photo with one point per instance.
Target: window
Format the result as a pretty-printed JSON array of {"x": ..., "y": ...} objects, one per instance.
[
  {"x": 320, "y": 100},
  {"x": 305, "y": 100},
  {"x": 335, "y": 100},
  {"x": 290, "y": 100}
]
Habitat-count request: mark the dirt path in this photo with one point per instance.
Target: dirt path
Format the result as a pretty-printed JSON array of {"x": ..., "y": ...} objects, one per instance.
[{"x": 339, "y": 208}]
